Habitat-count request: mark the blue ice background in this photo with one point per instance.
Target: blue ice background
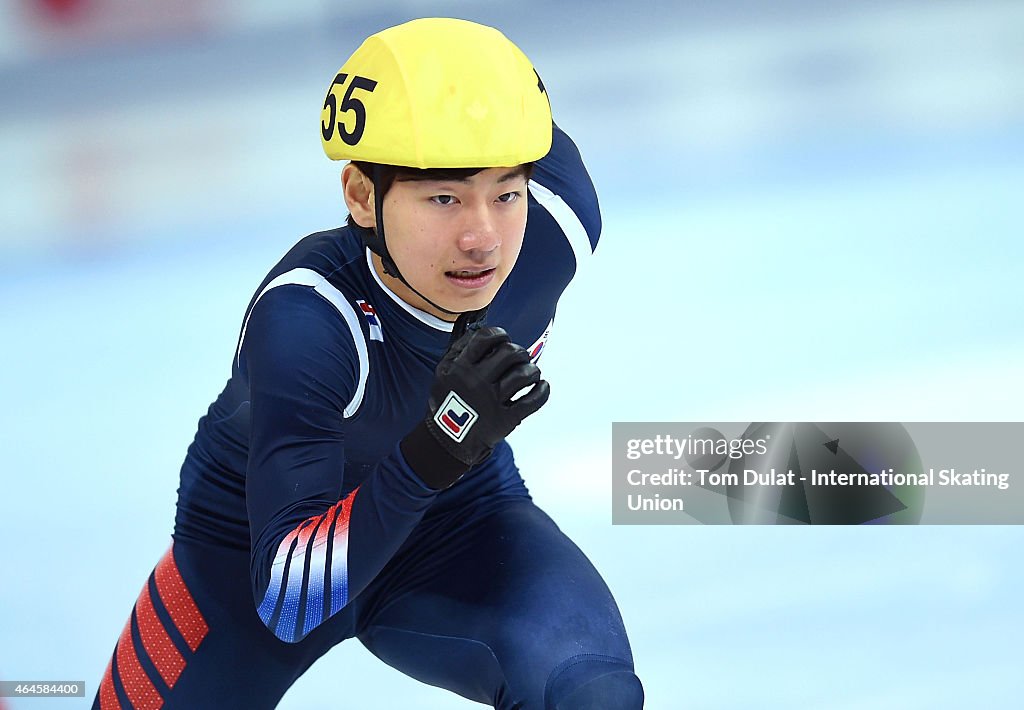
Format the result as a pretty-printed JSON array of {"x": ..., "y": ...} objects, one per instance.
[{"x": 811, "y": 213}]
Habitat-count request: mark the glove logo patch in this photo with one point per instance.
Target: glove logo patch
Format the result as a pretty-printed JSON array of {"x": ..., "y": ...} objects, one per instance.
[{"x": 455, "y": 417}]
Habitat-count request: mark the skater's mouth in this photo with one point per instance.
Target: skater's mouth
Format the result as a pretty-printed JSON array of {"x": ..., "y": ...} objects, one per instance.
[{"x": 470, "y": 278}]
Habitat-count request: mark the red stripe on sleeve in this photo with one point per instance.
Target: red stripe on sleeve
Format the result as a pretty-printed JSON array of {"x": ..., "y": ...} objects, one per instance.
[
  {"x": 179, "y": 602},
  {"x": 156, "y": 641},
  {"x": 306, "y": 529}
]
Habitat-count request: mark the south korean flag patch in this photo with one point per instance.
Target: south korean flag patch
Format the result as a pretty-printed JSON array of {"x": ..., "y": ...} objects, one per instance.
[
  {"x": 370, "y": 314},
  {"x": 455, "y": 417},
  {"x": 538, "y": 347}
]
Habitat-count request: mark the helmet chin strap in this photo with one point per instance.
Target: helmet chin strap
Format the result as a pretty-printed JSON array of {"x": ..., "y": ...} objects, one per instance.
[{"x": 375, "y": 242}]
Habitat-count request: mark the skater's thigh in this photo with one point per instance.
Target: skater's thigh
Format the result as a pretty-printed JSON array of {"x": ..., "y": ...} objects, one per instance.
[
  {"x": 194, "y": 639},
  {"x": 497, "y": 609}
]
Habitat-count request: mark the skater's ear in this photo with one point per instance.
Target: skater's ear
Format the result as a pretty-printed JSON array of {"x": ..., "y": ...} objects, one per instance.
[{"x": 358, "y": 190}]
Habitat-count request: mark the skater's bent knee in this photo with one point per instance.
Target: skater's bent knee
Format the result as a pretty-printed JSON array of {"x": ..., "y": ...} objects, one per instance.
[{"x": 594, "y": 683}]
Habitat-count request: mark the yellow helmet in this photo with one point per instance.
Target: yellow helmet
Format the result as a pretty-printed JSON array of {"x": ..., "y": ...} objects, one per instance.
[{"x": 437, "y": 93}]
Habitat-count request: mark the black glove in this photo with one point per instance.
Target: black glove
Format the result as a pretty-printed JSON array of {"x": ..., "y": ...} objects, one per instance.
[{"x": 470, "y": 408}]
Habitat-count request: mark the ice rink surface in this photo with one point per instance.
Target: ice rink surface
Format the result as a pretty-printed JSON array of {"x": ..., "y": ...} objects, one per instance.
[{"x": 810, "y": 215}]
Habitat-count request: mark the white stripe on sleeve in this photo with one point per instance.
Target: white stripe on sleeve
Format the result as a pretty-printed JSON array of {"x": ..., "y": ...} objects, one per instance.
[
  {"x": 310, "y": 278},
  {"x": 572, "y": 228}
]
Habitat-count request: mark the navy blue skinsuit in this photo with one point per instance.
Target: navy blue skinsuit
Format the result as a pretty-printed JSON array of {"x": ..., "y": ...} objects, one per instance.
[{"x": 299, "y": 524}]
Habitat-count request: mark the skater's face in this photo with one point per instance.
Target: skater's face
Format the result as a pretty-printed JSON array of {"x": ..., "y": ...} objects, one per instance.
[{"x": 454, "y": 240}]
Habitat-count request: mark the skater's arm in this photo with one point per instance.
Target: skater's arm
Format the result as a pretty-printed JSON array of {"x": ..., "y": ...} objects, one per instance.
[
  {"x": 313, "y": 549},
  {"x": 564, "y": 197}
]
